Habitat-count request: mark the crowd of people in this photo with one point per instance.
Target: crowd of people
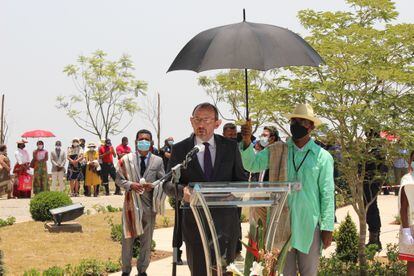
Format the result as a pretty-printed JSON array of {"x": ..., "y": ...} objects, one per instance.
[{"x": 89, "y": 164}]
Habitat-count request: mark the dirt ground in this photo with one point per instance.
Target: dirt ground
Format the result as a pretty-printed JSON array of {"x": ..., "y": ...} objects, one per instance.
[{"x": 29, "y": 245}]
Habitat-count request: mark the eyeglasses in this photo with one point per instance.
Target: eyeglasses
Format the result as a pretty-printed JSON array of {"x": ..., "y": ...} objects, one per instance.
[{"x": 206, "y": 121}]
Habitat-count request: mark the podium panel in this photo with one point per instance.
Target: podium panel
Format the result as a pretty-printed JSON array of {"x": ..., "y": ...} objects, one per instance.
[{"x": 211, "y": 202}]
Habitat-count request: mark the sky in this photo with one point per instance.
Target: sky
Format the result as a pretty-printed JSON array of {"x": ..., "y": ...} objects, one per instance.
[{"x": 39, "y": 38}]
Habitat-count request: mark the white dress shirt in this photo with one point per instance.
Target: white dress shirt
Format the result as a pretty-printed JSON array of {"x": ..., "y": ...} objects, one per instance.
[
  {"x": 212, "y": 147},
  {"x": 22, "y": 156}
]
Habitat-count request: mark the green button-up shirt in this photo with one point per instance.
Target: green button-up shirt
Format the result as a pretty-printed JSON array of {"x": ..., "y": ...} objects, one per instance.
[{"x": 314, "y": 204}]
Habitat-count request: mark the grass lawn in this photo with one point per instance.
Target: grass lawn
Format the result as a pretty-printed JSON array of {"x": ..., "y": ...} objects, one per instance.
[{"x": 29, "y": 245}]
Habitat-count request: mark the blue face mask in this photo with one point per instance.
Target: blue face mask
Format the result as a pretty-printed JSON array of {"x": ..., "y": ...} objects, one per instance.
[
  {"x": 143, "y": 145},
  {"x": 170, "y": 142}
]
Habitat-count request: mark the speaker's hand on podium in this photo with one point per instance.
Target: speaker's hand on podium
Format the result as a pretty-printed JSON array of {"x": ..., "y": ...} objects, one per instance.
[{"x": 187, "y": 194}]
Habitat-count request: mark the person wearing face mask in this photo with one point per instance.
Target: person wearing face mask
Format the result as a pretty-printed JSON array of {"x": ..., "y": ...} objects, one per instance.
[
  {"x": 23, "y": 183},
  {"x": 6, "y": 186},
  {"x": 93, "y": 168},
  {"x": 220, "y": 162},
  {"x": 107, "y": 154},
  {"x": 58, "y": 160},
  {"x": 135, "y": 174},
  {"x": 39, "y": 165},
  {"x": 311, "y": 209},
  {"x": 75, "y": 157}
]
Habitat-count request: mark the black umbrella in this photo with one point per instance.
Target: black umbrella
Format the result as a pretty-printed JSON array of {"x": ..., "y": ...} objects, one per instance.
[{"x": 245, "y": 46}]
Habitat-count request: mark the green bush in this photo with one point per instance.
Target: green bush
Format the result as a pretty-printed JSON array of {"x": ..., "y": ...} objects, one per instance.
[
  {"x": 112, "y": 267},
  {"x": 112, "y": 209},
  {"x": 7, "y": 221},
  {"x": 54, "y": 271},
  {"x": 44, "y": 201},
  {"x": 347, "y": 241},
  {"x": 116, "y": 235},
  {"x": 32, "y": 272},
  {"x": 92, "y": 267},
  {"x": 88, "y": 267},
  {"x": 393, "y": 266},
  {"x": 2, "y": 268},
  {"x": 171, "y": 201},
  {"x": 243, "y": 218}
]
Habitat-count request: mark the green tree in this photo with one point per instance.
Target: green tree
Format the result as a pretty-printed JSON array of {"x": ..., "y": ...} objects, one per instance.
[
  {"x": 366, "y": 84},
  {"x": 106, "y": 94},
  {"x": 229, "y": 88}
]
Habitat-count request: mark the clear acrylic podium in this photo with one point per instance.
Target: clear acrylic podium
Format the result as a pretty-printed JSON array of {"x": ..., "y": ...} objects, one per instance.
[{"x": 236, "y": 194}]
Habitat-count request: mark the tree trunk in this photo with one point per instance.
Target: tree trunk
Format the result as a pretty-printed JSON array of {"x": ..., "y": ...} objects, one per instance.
[{"x": 362, "y": 258}]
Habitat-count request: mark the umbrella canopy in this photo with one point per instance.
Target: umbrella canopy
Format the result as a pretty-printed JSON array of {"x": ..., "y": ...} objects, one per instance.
[
  {"x": 245, "y": 45},
  {"x": 38, "y": 133}
]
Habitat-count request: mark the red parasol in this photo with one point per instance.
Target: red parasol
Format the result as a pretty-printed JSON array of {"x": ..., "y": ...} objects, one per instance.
[
  {"x": 38, "y": 133},
  {"x": 390, "y": 137}
]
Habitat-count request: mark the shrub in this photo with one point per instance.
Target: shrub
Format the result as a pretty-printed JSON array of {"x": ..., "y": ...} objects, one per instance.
[
  {"x": 2, "y": 268},
  {"x": 32, "y": 272},
  {"x": 54, "y": 271},
  {"x": 88, "y": 267},
  {"x": 243, "y": 218},
  {"x": 347, "y": 241},
  {"x": 171, "y": 201},
  {"x": 335, "y": 266},
  {"x": 92, "y": 267},
  {"x": 116, "y": 235},
  {"x": 7, "y": 221},
  {"x": 112, "y": 209},
  {"x": 111, "y": 266},
  {"x": 44, "y": 201}
]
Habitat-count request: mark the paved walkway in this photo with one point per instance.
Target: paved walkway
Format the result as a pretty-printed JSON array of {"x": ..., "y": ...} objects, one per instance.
[{"x": 19, "y": 208}]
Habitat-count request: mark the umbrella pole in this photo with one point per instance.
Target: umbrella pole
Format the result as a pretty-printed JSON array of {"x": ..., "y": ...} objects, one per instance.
[{"x": 247, "y": 94}]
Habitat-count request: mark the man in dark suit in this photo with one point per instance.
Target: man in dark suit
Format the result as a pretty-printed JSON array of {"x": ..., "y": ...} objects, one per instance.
[{"x": 220, "y": 162}]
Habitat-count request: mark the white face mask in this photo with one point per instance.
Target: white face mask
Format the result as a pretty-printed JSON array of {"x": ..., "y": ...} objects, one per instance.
[
  {"x": 58, "y": 147},
  {"x": 264, "y": 141}
]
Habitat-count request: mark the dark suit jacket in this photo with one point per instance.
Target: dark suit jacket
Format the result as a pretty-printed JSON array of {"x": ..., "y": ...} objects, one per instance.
[{"x": 227, "y": 167}]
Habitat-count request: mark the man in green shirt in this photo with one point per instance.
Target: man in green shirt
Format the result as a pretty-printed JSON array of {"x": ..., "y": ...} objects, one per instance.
[{"x": 312, "y": 208}]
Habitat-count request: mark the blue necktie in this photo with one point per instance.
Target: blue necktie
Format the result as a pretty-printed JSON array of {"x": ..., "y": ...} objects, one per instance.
[{"x": 208, "y": 165}]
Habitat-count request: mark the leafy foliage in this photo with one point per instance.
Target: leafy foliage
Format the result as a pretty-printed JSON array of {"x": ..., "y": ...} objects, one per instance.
[
  {"x": 106, "y": 94},
  {"x": 347, "y": 241},
  {"x": 54, "y": 271},
  {"x": 335, "y": 266},
  {"x": 2, "y": 268},
  {"x": 44, "y": 201},
  {"x": 8, "y": 221},
  {"x": 116, "y": 235},
  {"x": 366, "y": 84}
]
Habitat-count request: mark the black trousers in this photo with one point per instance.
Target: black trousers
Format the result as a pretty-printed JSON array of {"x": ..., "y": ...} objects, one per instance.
[
  {"x": 373, "y": 215},
  {"x": 239, "y": 244},
  {"x": 226, "y": 221},
  {"x": 178, "y": 231},
  {"x": 108, "y": 169}
]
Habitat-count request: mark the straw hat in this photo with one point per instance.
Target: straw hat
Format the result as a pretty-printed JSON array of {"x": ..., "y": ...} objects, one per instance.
[
  {"x": 22, "y": 141},
  {"x": 91, "y": 145},
  {"x": 304, "y": 111}
]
